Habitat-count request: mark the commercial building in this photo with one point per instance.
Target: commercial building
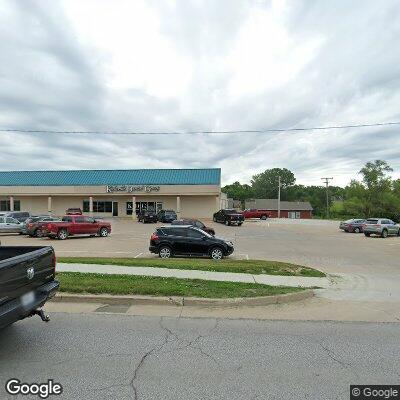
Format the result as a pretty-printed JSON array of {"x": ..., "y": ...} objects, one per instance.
[
  {"x": 117, "y": 193},
  {"x": 288, "y": 209}
]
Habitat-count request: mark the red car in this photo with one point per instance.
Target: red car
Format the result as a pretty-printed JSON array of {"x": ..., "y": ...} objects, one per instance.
[
  {"x": 254, "y": 213},
  {"x": 76, "y": 225},
  {"x": 73, "y": 211}
]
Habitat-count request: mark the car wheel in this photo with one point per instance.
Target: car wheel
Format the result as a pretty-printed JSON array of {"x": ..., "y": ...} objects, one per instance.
[
  {"x": 264, "y": 217},
  {"x": 216, "y": 253},
  {"x": 62, "y": 234},
  {"x": 39, "y": 233},
  {"x": 398, "y": 232},
  {"x": 240, "y": 223},
  {"x": 214, "y": 219},
  {"x": 356, "y": 230},
  {"x": 227, "y": 223},
  {"x": 384, "y": 233},
  {"x": 367, "y": 234},
  {"x": 103, "y": 232},
  {"x": 165, "y": 252}
]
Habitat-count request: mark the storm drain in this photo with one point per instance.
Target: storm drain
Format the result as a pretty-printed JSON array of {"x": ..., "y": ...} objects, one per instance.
[{"x": 113, "y": 308}]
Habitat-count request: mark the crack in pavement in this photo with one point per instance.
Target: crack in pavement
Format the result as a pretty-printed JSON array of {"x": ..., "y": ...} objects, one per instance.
[{"x": 331, "y": 355}]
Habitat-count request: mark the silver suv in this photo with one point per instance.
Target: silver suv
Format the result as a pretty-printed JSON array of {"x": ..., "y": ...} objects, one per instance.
[{"x": 381, "y": 226}]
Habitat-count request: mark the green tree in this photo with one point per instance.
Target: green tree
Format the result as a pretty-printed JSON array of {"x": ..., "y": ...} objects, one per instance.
[
  {"x": 238, "y": 191},
  {"x": 265, "y": 184}
]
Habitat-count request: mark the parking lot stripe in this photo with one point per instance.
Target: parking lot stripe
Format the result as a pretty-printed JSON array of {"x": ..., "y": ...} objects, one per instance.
[{"x": 137, "y": 255}]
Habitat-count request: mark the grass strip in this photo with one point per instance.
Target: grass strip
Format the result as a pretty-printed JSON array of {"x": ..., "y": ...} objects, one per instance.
[
  {"x": 226, "y": 265},
  {"x": 77, "y": 282}
]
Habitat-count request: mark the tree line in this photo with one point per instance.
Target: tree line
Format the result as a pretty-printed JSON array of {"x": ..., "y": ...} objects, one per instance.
[{"x": 375, "y": 194}]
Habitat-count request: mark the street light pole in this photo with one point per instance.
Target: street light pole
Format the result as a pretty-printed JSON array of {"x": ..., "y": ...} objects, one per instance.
[
  {"x": 326, "y": 181},
  {"x": 279, "y": 196}
]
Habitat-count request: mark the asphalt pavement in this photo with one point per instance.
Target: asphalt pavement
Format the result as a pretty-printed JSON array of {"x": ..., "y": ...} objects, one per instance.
[{"x": 115, "y": 356}]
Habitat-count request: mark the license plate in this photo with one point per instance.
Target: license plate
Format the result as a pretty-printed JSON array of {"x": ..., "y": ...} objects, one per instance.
[{"x": 27, "y": 299}]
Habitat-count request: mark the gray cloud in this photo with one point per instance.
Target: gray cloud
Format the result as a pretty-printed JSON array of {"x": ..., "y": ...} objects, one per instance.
[{"x": 52, "y": 79}]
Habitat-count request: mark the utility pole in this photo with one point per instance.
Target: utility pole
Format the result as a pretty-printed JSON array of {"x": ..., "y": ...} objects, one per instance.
[
  {"x": 279, "y": 196},
  {"x": 326, "y": 181}
]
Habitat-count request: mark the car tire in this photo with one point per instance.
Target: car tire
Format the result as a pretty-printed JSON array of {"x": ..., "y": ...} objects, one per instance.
[
  {"x": 165, "y": 252},
  {"x": 214, "y": 219},
  {"x": 227, "y": 223},
  {"x": 356, "y": 230},
  {"x": 240, "y": 223},
  {"x": 62, "y": 234},
  {"x": 38, "y": 233},
  {"x": 398, "y": 232},
  {"x": 263, "y": 217},
  {"x": 103, "y": 232},
  {"x": 216, "y": 253},
  {"x": 384, "y": 234},
  {"x": 367, "y": 234}
]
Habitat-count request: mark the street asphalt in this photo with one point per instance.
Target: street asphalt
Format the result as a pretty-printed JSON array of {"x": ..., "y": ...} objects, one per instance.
[{"x": 116, "y": 356}]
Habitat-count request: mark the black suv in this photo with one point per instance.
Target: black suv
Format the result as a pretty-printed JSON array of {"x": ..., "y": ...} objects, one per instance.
[
  {"x": 228, "y": 217},
  {"x": 168, "y": 241},
  {"x": 166, "y": 215},
  {"x": 147, "y": 216}
]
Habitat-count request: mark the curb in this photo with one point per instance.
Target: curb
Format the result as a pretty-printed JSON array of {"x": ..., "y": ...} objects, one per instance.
[{"x": 183, "y": 301}]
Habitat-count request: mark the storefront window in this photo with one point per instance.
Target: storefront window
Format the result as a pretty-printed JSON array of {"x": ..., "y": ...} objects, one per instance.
[
  {"x": 98, "y": 206},
  {"x": 5, "y": 205}
]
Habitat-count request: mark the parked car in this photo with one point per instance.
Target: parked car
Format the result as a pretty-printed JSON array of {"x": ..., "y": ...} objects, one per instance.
[
  {"x": 73, "y": 211},
  {"x": 188, "y": 240},
  {"x": 352, "y": 225},
  {"x": 147, "y": 216},
  {"x": 255, "y": 213},
  {"x": 27, "y": 281},
  {"x": 33, "y": 225},
  {"x": 194, "y": 222},
  {"x": 10, "y": 225},
  {"x": 381, "y": 226},
  {"x": 228, "y": 217},
  {"x": 20, "y": 216},
  {"x": 72, "y": 225},
  {"x": 166, "y": 216}
]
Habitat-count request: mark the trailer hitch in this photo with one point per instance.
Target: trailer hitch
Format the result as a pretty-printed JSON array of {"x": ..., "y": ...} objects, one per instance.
[{"x": 44, "y": 317}]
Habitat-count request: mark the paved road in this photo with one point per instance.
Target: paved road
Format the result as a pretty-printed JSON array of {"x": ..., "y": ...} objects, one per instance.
[{"x": 129, "y": 357}]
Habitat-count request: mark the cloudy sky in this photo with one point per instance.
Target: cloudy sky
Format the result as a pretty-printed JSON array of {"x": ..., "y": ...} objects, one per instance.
[{"x": 189, "y": 65}]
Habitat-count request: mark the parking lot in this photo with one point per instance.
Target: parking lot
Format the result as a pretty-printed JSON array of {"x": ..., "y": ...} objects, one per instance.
[{"x": 315, "y": 243}]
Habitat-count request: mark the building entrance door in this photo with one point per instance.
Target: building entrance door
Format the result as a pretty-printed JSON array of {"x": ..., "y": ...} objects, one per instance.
[{"x": 115, "y": 208}]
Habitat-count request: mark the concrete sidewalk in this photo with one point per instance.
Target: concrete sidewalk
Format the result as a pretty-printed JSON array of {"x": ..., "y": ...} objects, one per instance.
[{"x": 272, "y": 280}]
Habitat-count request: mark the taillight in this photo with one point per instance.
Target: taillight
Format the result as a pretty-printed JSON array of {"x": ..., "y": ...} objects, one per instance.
[
  {"x": 154, "y": 236},
  {"x": 30, "y": 225}
]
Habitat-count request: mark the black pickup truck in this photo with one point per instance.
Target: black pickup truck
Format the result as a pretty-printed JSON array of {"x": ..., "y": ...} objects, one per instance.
[{"x": 26, "y": 282}]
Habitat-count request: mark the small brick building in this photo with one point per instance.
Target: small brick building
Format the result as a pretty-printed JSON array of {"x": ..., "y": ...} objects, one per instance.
[{"x": 289, "y": 209}]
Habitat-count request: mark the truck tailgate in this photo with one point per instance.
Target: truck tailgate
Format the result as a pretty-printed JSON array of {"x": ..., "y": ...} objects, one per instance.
[{"x": 25, "y": 272}]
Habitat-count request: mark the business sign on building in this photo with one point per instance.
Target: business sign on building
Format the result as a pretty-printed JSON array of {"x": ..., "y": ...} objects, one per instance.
[{"x": 132, "y": 189}]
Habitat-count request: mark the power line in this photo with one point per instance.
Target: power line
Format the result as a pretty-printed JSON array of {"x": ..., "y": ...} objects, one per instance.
[{"x": 273, "y": 130}]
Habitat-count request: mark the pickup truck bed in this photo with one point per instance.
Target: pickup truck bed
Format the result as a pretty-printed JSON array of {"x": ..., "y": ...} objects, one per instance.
[{"x": 26, "y": 281}]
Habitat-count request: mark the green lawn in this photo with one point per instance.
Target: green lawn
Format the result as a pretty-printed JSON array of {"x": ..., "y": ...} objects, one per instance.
[
  {"x": 226, "y": 265},
  {"x": 77, "y": 282}
]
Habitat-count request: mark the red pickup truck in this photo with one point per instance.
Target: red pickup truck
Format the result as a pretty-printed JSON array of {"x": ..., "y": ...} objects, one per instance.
[
  {"x": 71, "y": 225},
  {"x": 254, "y": 213}
]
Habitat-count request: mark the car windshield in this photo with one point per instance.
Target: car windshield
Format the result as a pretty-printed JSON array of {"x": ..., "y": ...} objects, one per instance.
[{"x": 372, "y": 221}]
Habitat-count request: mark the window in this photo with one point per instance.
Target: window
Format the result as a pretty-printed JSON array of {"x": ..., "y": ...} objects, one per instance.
[
  {"x": 98, "y": 206},
  {"x": 129, "y": 207},
  {"x": 5, "y": 205},
  {"x": 176, "y": 232},
  {"x": 10, "y": 220},
  {"x": 67, "y": 219},
  {"x": 89, "y": 220},
  {"x": 80, "y": 220},
  {"x": 194, "y": 234},
  {"x": 1, "y": 220}
]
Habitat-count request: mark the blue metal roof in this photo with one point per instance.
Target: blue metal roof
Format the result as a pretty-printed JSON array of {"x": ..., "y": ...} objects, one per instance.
[{"x": 205, "y": 176}]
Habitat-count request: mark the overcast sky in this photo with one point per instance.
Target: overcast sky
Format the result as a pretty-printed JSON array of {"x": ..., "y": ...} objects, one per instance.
[{"x": 200, "y": 65}]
